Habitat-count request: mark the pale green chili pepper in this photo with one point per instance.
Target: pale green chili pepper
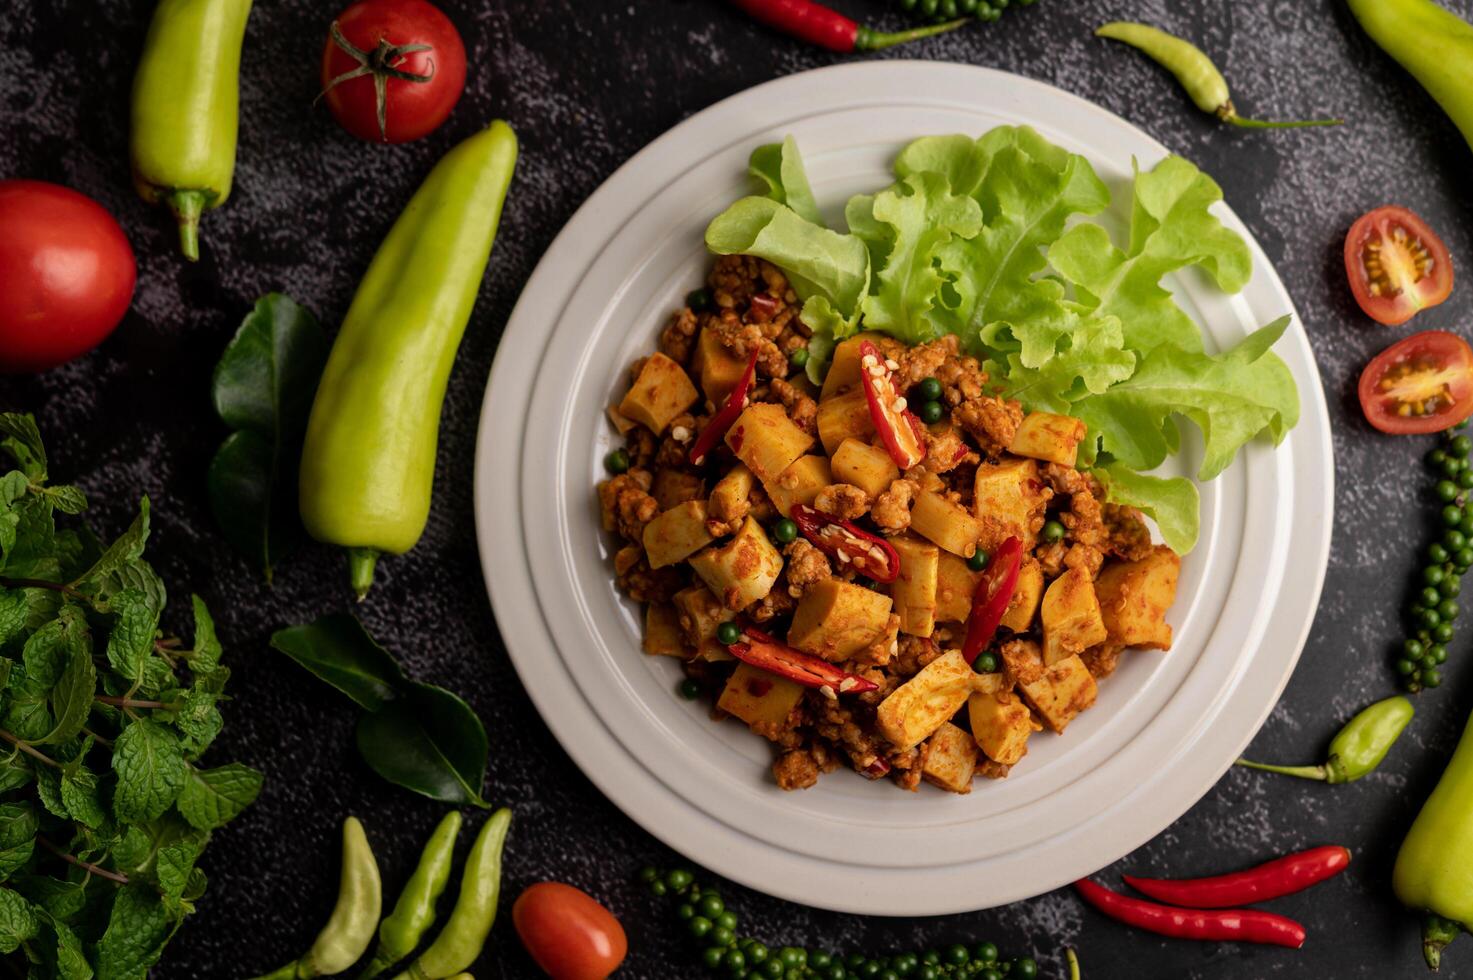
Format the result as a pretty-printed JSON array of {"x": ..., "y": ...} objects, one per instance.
[
  {"x": 400, "y": 932},
  {"x": 1358, "y": 748},
  {"x": 1196, "y": 73},
  {"x": 185, "y": 109},
  {"x": 465, "y": 932},
  {"x": 350, "y": 928}
]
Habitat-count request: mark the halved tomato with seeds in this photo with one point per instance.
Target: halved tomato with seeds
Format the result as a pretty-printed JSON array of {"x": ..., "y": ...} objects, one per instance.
[
  {"x": 1396, "y": 264},
  {"x": 1421, "y": 384}
]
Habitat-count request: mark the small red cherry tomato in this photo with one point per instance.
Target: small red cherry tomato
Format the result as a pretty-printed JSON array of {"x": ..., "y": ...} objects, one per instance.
[
  {"x": 568, "y": 933},
  {"x": 66, "y": 274},
  {"x": 1421, "y": 384},
  {"x": 1397, "y": 265},
  {"x": 392, "y": 69}
]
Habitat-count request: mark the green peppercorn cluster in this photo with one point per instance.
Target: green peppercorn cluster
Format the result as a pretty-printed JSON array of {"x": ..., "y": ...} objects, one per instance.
[
  {"x": 713, "y": 929},
  {"x": 927, "y": 398},
  {"x": 940, "y": 10},
  {"x": 1435, "y": 599}
]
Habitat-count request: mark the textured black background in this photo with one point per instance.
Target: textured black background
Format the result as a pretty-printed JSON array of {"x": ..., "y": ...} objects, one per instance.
[{"x": 586, "y": 85}]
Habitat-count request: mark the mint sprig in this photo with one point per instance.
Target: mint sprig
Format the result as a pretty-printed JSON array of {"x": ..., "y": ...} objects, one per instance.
[{"x": 105, "y": 805}]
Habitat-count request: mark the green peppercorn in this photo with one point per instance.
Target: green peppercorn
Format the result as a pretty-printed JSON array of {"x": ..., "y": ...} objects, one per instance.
[
  {"x": 1460, "y": 446},
  {"x": 727, "y": 921},
  {"x": 735, "y": 961},
  {"x": 1454, "y": 540},
  {"x": 658, "y": 889},
  {"x": 1053, "y": 531},
  {"x": 1443, "y": 633},
  {"x": 1448, "y": 609},
  {"x": 648, "y": 874},
  {"x": 928, "y": 972},
  {"x": 698, "y": 926},
  {"x": 689, "y": 689},
  {"x": 1465, "y": 480},
  {"x": 987, "y": 663},
  {"x": 1429, "y": 618},
  {"x": 946, "y": 9},
  {"x": 1436, "y": 457},
  {"x": 930, "y": 412},
  {"x": 955, "y": 955},
  {"x": 1405, "y": 666},
  {"x": 1431, "y": 677},
  {"x": 1446, "y": 490},
  {"x": 722, "y": 937},
  {"x": 1452, "y": 466},
  {"x": 773, "y": 970},
  {"x": 1463, "y": 559},
  {"x": 758, "y": 953},
  {"x": 712, "y": 956},
  {"x": 1024, "y": 968},
  {"x": 1452, "y": 515},
  {"x": 726, "y": 634},
  {"x": 792, "y": 957},
  {"x": 1438, "y": 654},
  {"x": 785, "y": 531},
  {"x": 986, "y": 952},
  {"x": 820, "y": 959},
  {"x": 1466, "y": 525},
  {"x": 978, "y": 560},
  {"x": 617, "y": 462},
  {"x": 1429, "y": 597},
  {"x": 798, "y": 357},
  {"x": 711, "y": 904},
  {"x": 931, "y": 957},
  {"x": 679, "y": 879},
  {"x": 906, "y": 963},
  {"x": 989, "y": 974},
  {"x": 929, "y": 390},
  {"x": 1413, "y": 648},
  {"x": 1437, "y": 554},
  {"x": 1433, "y": 574},
  {"x": 698, "y": 299}
]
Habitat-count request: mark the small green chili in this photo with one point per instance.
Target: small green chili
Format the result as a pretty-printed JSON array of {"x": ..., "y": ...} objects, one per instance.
[
  {"x": 460, "y": 942},
  {"x": 350, "y": 928},
  {"x": 400, "y": 932},
  {"x": 1197, "y": 74},
  {"x": 1358, "y": 748}
]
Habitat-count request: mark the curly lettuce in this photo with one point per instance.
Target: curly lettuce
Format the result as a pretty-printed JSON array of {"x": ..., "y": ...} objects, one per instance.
[{"x": 989, "y": 239}]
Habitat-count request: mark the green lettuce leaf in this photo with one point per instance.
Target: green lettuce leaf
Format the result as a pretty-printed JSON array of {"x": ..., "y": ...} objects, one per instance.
[
  {"x": 1230, "y": 397},
  {"x": 1172, "y": 502},
  {"x": 779, "y": 167},
  {"x": 1087, "y": 357},
  {"x": 1170, "y": 228}
]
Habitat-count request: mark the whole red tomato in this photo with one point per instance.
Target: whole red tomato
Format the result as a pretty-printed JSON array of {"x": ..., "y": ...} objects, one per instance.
[
  {"x": 67, "y": 272},
  {"x": 392, "y": 69},
  {"x": 569, "y": 934}
]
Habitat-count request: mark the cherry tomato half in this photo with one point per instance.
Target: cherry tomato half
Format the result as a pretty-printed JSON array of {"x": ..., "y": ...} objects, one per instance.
[
  {"x": 1421, "y": 384},
  {"x": 392, "y": 69},
  {"x": 66, "y": 274},
  {"x": 1396, "y": 264},
  {"x": 569, "y": 934}
]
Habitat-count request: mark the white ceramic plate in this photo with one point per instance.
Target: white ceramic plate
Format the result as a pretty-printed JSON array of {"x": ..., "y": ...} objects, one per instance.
[{"x": 1166, "y": 725}]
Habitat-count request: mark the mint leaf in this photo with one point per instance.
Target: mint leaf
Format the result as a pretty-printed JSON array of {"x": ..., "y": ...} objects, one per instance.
[
  {"x": 175, "y": 861},
  {"x": 1170, "y": 228},
  {"x": 263, "y": 388},
  {"x": 206, "y": 654},
  {"x": 62, "y": 900},
  {"x": 150, "y": 769},
  {"x": 66, "y": 954},
  {"x": 48, "y": 788},
  {"x": 130, "y": 644},
  {"x": 81, "y": 796},
  {"x": 68, "y": 500},
  {"x": 339, "y": 651},
  {"x": 21, "y": 441},
  {"x": 18, "y": 825},
  {"x": 14, "y": 773},
  {"x": 198, "y": 720},
  {"x": 15, "y": 610},
  {"x": 72, "y": 694},
  {"x": 211, "y": 798},
  {"x": 136, "y": 932},
  {"x": 17, "y": 920},
  {"x": 779, "y": 167},
  {"x": 127, "y": 548},
  {"x": 428, "y": 741}
]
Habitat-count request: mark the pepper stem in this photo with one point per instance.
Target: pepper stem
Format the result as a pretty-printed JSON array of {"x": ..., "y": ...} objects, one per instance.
[
  {"x": 187, "y": 207},
  {"x": 866, "y": 39},
  {"x": 1303, "y": 772},
  {"x": 1437, "y": 932},
  {"x": 288, "y": 972},
  {"x": 1228, "y": 114},
  {"x": 360, "y": 570},
  {"x": 1073, "y": 959}
]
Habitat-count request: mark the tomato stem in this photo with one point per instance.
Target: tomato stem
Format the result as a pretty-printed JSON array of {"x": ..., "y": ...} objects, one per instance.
[{"x": 382, "y": 63}]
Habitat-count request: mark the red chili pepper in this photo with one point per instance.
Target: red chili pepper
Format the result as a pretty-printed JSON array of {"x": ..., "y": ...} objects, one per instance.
[
  {"x": 866, "y": 553},
  {"x": 901, "y": 432},
  {"x": 1285, "y": 876},
  {"x": 722, "y": 420},
  {"x": 765, "y": 653},
  {"x": 994, "y": 591},
  {"x": 817, "y": 24},
  {"x": 1231, "y": 925}
]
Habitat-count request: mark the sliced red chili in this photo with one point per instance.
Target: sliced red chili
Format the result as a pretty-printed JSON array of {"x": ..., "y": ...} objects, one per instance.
[
  {"x": 994, "y": 591},
  {"x": 901, "y": 432},
  {"x": 1283, "y": 876},
  {"x": 1233, "y": 925},
  {"x": 765, "y": 653},
  {"x": 722, "y": 420},
  {"x": 848, "y": 544}
]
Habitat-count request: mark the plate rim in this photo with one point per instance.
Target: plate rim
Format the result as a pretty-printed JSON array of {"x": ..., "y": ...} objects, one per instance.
[{"x": 501, "y": 583}]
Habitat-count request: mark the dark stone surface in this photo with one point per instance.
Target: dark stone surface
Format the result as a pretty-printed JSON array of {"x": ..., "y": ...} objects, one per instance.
[{"x": 586, "y": 85}]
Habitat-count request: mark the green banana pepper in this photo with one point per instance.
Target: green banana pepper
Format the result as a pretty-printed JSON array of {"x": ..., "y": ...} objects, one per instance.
[
  {"x": 400, "y": 932},
  {"x": 1358, "y": 748},
  {"x": 368, "y": 461},
  {"x": 1432, "y": 43},
  {"x": 1434, "y": 869},
  {"x": 186, "y": 99}
]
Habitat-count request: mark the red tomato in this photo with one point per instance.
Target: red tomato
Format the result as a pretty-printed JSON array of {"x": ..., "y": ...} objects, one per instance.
[
  {"x": 568, "y": 933},
  {"x": 68, "y": 274},
  {"x": 409, "y": 46},
  {"x": 1421, "y": 384},
  {"x": 1397, "y": 265}
]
